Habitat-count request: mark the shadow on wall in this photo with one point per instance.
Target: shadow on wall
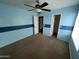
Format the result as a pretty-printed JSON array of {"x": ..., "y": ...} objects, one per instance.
[{"x": 74, "y": 54}]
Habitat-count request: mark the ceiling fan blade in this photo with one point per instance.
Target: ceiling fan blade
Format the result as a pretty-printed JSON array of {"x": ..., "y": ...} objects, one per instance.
[
  {"x": 44, "y": 4},
  {"x": 31, "y": 10},
  {"x": 46, "y": 10},
  {"x": 37, "y": 1},
  {"x": 29, "y": 5}
]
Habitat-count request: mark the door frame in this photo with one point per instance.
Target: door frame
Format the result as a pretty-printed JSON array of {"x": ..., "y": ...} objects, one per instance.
[
  {"x": 36, "y": 25},
  {"x": 52, "y": 23}
]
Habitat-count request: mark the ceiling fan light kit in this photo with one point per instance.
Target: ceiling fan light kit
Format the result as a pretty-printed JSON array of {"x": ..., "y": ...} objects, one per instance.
[{"x": 38, "y": 10}]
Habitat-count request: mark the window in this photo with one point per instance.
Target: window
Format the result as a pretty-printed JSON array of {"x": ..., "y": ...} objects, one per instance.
[{"x": 75, "y": 33}]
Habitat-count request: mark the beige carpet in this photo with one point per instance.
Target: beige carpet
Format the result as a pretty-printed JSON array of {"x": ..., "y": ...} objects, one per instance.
[{"x": 37, "y": 47}]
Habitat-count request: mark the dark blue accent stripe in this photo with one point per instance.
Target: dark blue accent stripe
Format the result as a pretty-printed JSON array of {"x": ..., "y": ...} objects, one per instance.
[
  {"x": 47, "y": 25},
  {"x": 11, "y": 28},
  {"x": 66, "y": 27}
]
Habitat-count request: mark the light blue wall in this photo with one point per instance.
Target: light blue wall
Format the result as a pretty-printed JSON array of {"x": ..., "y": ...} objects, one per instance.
[
  {"x": 13, "y": 16},
  {"x": 68, "y": 15},
  {"x": 47, "y": 20}
]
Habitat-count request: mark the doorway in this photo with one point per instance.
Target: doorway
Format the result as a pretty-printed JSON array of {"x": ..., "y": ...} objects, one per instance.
[
  {"x": 56, "y": 24},
  {"x": 40, "y": 24}
]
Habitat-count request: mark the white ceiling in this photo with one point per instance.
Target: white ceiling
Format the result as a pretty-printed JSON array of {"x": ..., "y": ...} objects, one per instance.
[{"x": 53, "y": 4}]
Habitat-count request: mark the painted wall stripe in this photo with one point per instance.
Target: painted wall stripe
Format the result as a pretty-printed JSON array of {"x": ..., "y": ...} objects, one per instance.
[
  {"x": 61, "y": 27},
  {"x": 11, "y": 28},
  {"x": 47, "y": 25},
  {"x": 66, "y": 27}
]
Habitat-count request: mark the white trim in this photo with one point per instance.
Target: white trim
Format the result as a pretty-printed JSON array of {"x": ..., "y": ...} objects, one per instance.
[
  {"x": 4, "y": 56},
  {"x": 36, "y": 25},
  {"x": 52, "y": 25}
]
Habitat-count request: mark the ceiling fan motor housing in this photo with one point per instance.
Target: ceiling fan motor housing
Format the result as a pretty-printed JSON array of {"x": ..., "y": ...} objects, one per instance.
[{"x": 37, "y": 6}]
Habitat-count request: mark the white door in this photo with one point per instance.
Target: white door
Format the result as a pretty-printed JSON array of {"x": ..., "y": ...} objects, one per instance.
[{"x": 36, "y": 25}]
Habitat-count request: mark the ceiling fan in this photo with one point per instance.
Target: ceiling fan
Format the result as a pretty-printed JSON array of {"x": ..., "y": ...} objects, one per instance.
[{"x": 39, "y": 7}]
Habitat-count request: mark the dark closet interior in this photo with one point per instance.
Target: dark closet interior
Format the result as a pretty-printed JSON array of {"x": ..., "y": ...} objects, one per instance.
[
  {"x": 40, "y": 24},
  {"x": 56, "y": 25}
]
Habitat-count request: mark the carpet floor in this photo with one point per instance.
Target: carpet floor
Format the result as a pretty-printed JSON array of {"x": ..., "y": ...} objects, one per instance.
[{"x": 37, "y": 47}]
